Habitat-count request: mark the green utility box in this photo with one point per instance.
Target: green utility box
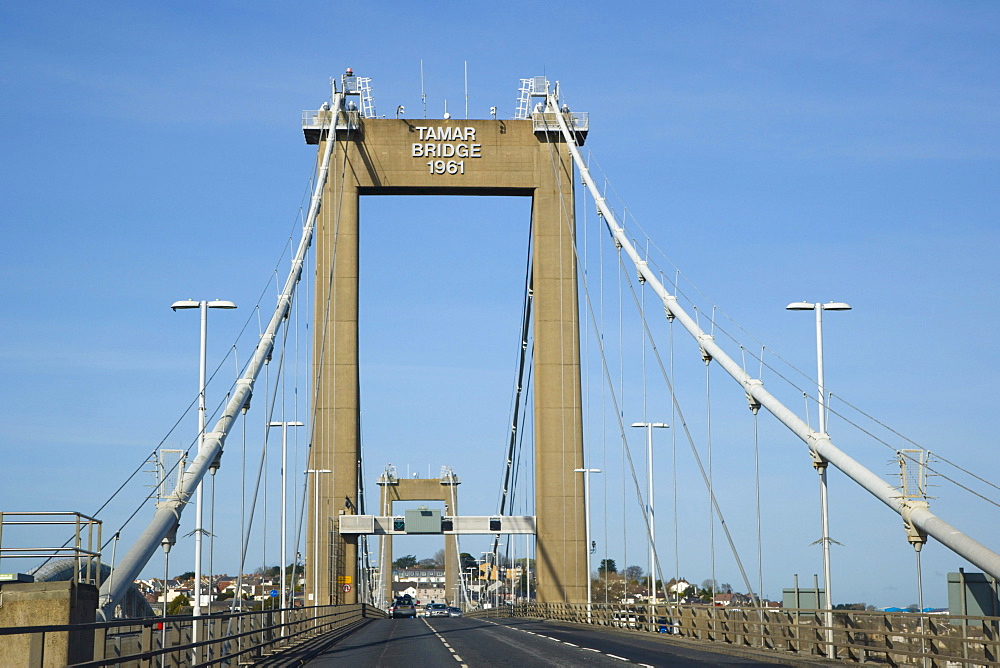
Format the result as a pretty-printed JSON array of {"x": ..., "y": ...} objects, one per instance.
[
  {"x": 972, "y": 594},
  {"x": 804, "y": 599},
  {"x": 423, "y": 520}
]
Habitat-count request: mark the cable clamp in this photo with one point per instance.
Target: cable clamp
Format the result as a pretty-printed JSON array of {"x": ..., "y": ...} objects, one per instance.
[
  {"x": 751, "y": 401},
  {"x": 818, "y": 462},
  {"x": 706, "y": 357},
  {"x": 914, "y": 536}
]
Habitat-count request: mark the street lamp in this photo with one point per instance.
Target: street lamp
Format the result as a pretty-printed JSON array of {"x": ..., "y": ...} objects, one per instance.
[
  {"x": 496, "y": 563},
  {"x": 284, "y": 488},
  {"x": 818, "y": 461},
  {"x": 819, "y": 308},
  {"x": 648, "y": 426},
  {"x": 586, "y": 514},
  {"x": 203, "y": 306},
  {"x": 486, "y": 562},
  {"x": 315, "y": 554}
]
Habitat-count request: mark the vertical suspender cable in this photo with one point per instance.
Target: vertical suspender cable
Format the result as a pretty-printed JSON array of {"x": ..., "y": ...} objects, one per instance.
[
  {"x": 621, "y": 393},
  {"x": 673, "y": 457},
  {"x": 756, "y": 484},
  {"x": 711, "y": 482}
]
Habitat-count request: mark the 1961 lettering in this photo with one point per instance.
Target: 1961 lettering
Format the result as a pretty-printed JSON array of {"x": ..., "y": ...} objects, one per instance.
[{"x": 461, "y": 145}]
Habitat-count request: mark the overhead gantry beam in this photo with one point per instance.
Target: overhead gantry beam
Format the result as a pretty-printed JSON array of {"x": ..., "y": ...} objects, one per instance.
[{"x": 470, "y": 524}]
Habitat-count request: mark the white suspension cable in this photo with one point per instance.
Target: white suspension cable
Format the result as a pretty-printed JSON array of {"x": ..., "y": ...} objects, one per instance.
[
  {"x": 170, "y": 511},
  {"x": 821, "y": 444}
]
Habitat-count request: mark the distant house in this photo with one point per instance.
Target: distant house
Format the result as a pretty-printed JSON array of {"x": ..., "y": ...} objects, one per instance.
[
  {"x": 400, "y": 589},
  {"x": 734, "y": 600},
  {"x": 724, "y": 600},
  {"x": 423, "y": 584},
  {"x": 678, "y": 587}
]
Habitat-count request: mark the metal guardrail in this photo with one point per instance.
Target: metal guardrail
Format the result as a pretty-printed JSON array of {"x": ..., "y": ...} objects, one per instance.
[
  {"x": 315, "y": 122},
  {"x": 895, "y": 638},
  {"x": 578, "y": 121},
  {"x": 84, "y": 547},
  {"x": 229, "y": 639}
]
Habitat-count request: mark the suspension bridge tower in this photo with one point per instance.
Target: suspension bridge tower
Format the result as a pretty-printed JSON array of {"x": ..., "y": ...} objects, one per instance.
[{"x": 524, "y": 157}]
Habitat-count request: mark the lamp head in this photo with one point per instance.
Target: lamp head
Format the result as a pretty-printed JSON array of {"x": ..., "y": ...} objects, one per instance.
[
  {"x": 221, "y": 303},
  {"x": 800, "y": 306}
]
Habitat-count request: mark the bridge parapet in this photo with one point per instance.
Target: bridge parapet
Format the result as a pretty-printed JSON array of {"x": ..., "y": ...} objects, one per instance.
[
  {"x": 896, "y": 638},
  {"x": 240, "y": 637}
]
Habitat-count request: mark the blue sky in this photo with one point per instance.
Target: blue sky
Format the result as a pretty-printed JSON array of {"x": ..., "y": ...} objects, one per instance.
[{"x": 774, "y": 151}]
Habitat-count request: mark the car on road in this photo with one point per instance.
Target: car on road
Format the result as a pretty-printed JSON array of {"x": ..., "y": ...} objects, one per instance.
[
  {"x": 436, "y": 610},
  {"x": 403, "y": 607},
  {"x": 454, "y": 612}
]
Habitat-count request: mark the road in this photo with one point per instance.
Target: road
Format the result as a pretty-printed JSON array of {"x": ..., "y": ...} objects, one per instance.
[{"x": 520, "y": 643}]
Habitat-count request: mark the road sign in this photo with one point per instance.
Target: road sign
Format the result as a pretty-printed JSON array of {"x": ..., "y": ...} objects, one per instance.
[
  {"x": 346, "y": 588},
  {"x": 273, "y": 593}
]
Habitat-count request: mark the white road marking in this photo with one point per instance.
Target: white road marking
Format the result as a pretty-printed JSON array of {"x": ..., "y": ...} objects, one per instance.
[
  {"x": 445, "y": 643},
  {"x": 539, "y": 635}
]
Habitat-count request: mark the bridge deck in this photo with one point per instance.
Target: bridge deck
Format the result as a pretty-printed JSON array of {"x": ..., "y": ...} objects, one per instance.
[{"x": 525, "y": 642}]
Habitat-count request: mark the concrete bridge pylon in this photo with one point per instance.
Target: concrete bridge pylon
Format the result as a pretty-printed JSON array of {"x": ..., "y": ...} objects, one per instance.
[
  {"x": 444, "y": 489},
  {"x": 519, "y": 158}
]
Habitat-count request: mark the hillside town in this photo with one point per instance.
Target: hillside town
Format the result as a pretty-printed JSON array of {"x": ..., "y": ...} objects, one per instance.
[{"x": 483, "y": 585}]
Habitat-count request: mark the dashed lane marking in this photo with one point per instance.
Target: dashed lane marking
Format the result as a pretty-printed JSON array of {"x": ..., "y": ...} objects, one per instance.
[
  {"x": 539, "y": 635},
  {"x": 447, "y": 646}
]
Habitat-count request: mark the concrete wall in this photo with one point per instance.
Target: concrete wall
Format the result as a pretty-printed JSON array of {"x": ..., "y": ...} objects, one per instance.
[{"x": 47, "y": 604}]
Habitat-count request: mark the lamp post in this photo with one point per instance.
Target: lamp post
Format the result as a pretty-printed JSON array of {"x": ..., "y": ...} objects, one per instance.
[
  {"x": 493, "y": 568},
  {"x": 586, "y": 514},
  {"x": 819, "y": 462},
  {"x": 469, "y": 589},
  {"x": 315, "y": 554},
  {"x": 486, "y": 562},
  {"x": 648, "y": 426},
  {"x": 284, "y": 487},
  {"x": 203, "y": 306}
]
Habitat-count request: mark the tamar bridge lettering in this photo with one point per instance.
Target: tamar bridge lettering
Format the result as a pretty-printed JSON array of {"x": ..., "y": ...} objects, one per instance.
[{"x": 448, "y": 142}]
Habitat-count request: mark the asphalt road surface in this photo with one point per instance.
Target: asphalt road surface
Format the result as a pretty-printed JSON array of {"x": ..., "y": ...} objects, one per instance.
[{"x": 460, "y": 641}]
